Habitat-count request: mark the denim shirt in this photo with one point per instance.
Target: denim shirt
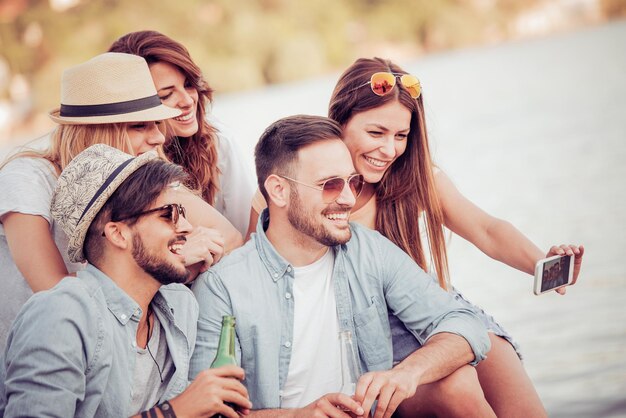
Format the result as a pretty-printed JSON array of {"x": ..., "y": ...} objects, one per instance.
[
  {"x": 71, "y": 350},
  {"x": 370, "y": 276}
]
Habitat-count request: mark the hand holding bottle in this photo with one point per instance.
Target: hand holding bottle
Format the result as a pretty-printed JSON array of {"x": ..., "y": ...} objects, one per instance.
[{"x": 208, "y": 394}]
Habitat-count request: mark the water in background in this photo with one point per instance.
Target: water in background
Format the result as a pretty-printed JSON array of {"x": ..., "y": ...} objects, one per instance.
[{"x": 533, "y": 132}]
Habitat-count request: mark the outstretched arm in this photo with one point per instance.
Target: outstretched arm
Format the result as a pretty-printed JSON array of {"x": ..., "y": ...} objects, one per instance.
[
  {"x": 33, "y": 250},
  {"x": 495, "y": 237}
]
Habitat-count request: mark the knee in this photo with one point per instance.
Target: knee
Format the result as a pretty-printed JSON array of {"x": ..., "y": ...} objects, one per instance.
[{"x": 462, "y": 385}]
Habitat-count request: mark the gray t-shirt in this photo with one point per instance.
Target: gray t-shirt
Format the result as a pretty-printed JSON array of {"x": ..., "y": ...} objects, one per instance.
[
  {"x": 26, "y": 186},
  {"x": 148, "y": 386}
]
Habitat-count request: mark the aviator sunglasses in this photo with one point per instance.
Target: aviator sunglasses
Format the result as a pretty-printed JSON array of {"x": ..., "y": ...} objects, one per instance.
[
  {"x": 332, "y": 188},
  {"x": 382, "y": 83},
  {"x": 172, "y": 211}
]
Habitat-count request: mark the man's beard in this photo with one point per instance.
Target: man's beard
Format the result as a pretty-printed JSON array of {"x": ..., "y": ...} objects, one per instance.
[
  {"x": 161, "y": 270},
  {"x": 304, "y": 221}
]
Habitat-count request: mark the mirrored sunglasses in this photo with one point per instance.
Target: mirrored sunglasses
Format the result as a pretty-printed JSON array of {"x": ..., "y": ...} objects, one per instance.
[
  {"x": 382, "y": 83},
  {"x": 332, "y": 188}
]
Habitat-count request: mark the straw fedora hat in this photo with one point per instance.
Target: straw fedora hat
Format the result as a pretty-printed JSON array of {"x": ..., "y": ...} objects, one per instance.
[
  {"x": 85, "y": 185},
  {"x": 110, "y": 88}
]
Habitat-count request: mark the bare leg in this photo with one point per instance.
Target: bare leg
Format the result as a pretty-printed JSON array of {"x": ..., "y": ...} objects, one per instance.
[
  {"x": 458, "y": 395},
  {"x": 506, "y": 385}
]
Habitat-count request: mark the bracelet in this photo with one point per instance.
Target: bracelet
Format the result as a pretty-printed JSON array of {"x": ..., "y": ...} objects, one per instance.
[{"x": 167, "y": 410}]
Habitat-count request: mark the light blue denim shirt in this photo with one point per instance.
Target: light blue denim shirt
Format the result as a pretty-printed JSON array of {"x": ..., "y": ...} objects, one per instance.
[
  {"x": 371, "y": 276},
  {"x": 71, "y": 350}
]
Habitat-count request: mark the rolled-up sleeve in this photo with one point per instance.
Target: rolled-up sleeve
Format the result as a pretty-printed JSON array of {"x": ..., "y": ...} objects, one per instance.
[{"x": 424, "y": 308}]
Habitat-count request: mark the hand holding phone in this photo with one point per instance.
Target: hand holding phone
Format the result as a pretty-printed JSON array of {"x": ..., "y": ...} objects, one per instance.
[{"x": 553, "y": 272}]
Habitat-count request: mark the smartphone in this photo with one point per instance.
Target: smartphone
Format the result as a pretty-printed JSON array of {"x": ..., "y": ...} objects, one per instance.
[{"x": 553, "y": 272}]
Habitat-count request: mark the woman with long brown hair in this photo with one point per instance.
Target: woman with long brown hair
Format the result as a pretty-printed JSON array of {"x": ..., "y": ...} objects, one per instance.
[
  {"x": 380, "y": 108},
  {"x": 211, "y": 159}
]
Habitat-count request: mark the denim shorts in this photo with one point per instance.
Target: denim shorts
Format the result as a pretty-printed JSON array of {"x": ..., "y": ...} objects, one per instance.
[{"x": 404, "y": 343}]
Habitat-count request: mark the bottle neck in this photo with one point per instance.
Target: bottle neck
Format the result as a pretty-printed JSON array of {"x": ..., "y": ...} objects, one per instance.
[{"x": 226, "y": 349}]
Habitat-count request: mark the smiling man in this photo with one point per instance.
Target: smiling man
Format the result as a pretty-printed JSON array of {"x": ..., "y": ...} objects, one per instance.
[
  {"x": 307, "y": 274},
  {"x": 115, "y": 340}
]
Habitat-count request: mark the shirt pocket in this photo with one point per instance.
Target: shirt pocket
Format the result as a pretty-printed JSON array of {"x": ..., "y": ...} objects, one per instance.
[{"x": 373, "y": 340}]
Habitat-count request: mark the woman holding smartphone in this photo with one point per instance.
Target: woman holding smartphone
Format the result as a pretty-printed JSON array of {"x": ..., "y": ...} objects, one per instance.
[{"x": 380, "y": 108}]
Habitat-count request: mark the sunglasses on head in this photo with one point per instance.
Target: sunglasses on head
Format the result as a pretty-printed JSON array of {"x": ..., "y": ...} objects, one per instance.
[
  {"x": 382, "y": 83},
  {"x": 332, "y": 188},
  {"x": 172, "y": 211}
]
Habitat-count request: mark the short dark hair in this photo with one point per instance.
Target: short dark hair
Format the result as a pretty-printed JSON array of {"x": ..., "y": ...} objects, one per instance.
[
  {"x": 134, "y": 195},
  {"x": 277, "y": 149}
]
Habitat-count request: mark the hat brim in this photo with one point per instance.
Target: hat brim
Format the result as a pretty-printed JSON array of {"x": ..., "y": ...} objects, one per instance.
[
  {"x": 160, "y": 112},
  {"x": 77, "y": 238}
]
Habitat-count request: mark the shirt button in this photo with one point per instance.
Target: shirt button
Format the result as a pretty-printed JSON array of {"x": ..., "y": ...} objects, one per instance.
[
  {"x": 288, "y": 344},
  {"x": 134, "y": 344},
  {"x": 275, "y": 274},
  {"x": 289, "y": 268},
  {"x": 288, "y": 295},
  {"x": 123, "y": 317}
]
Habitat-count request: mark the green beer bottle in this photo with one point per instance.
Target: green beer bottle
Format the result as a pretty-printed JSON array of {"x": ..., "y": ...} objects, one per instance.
[{"x": 226, "y": 350}]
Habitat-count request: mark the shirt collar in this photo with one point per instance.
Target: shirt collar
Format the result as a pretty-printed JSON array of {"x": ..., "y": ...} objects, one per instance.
[
  {"x": 122, "y": 306},
  {"x": 275, "y": 263}
]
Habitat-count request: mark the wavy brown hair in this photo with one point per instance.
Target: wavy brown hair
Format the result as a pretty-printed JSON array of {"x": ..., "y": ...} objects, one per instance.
[
  {"x": 408, "y": 187},
  {"x": 198, "y": 153}
]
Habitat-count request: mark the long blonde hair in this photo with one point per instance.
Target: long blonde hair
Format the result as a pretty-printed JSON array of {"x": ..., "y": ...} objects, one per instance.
[
  {"x": 67, "y": 141},
  {"x": 408, "y": 187}
]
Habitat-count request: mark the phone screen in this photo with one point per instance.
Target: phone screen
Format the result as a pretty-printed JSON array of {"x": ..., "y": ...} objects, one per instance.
[{"x": 555, "y": 273}]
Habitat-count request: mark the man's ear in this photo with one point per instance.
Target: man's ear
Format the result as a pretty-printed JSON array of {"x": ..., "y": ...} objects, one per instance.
[
  {"x": 277, "y": 190},
  {"x": 118, "y": 234}
]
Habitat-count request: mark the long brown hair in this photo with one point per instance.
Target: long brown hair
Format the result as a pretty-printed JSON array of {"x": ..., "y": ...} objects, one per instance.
[
  {"x": 198, "y": 153},
  {"x": 408, "y": 187},
  {"x": 67, "y": 141}
]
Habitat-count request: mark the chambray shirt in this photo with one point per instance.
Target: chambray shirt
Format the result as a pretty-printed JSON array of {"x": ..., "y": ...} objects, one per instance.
[
  {"x": 370, "y": 276},
  {"x": 71, "y": 350}
]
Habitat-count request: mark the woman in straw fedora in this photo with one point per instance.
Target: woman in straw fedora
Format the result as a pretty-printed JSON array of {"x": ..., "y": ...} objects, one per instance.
[
  {"x": 109, "y": 99},
  {"x": 193, "y": 140}
]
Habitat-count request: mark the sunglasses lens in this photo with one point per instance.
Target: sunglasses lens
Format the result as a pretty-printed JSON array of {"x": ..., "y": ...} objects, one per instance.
[
  {"x": 382, "y": 83},
  {"x": 412, "y": 84},
  {"x": 356, "y": 185},
  {"x": 332, "y": 189},
  {"x": 172, "y": 213}
]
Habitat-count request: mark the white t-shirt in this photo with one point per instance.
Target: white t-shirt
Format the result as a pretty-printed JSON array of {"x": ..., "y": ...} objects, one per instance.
[
  {"x": 315, "y": 366},
  {"x": 26, "y": 186}
]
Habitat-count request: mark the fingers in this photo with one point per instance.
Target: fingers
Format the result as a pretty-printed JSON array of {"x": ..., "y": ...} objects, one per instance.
[
  {"x": 383, "y": 401},
  {"x": 370, "y": 392},
  {"x": 225, "y": 371},
  {"x": 338, "y": 404}
]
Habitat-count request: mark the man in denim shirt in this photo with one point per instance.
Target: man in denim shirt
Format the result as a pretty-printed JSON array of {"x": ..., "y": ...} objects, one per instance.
[
  {"x": 307, "y": 274},
  {"x": 115, "y": 340}
]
